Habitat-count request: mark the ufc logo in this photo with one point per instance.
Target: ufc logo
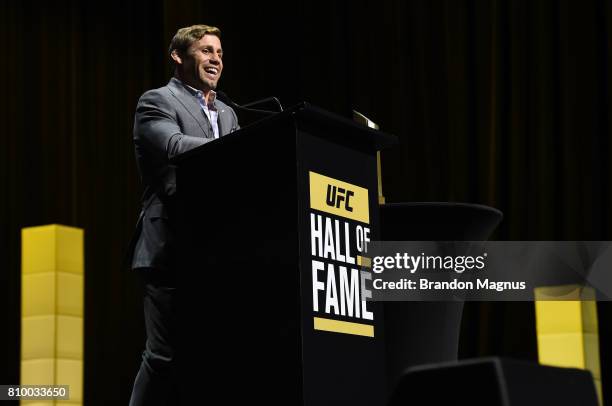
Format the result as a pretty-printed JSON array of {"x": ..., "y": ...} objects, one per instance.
[{"x": 336, "y": 197}]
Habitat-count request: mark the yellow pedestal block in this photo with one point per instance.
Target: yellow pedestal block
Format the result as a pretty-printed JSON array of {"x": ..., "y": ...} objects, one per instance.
[
  {"x": 567, "y": 330},
  {"x": 52, "y": 285}
]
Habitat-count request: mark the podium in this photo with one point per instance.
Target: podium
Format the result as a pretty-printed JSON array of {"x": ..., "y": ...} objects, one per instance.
[{"x": 273, "y": 226}]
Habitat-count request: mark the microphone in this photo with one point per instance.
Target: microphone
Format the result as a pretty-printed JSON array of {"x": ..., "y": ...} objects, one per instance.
[{"x": 246, "y": 107}]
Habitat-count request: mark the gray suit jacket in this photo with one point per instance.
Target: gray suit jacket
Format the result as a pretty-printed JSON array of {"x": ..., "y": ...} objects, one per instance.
[{"x": 168, "y": 122}]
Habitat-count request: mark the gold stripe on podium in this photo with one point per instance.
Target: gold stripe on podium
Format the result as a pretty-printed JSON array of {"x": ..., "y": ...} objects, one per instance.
[
  {"x": 567, "y": 330},
  {"x": 364, "y": 261},
  {"x": 381, "y": 198},
  {"x": 345, "y": 327},
  {"x": 52, "y": 284},
  {"x": 361, "y": 119}
]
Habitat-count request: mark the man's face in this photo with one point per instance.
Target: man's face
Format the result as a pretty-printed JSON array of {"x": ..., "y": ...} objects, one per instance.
[{"x": 203, "y": 63}]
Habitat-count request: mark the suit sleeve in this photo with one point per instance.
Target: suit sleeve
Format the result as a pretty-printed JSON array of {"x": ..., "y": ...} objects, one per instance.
[{"x": 156, "y": 128}]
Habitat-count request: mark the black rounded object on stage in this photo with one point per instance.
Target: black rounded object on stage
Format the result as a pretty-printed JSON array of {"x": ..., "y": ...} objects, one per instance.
[
  {"x": 438, "y": 221},
  {"x": 494, "y": 381},
  {"x": 418, "y": 333}
]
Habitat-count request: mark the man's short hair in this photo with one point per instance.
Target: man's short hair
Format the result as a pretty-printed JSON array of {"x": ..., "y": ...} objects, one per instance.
[{"x": 186, "y": 36}]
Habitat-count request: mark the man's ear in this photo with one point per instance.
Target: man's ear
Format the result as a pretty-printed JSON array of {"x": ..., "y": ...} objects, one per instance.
[{"x": 176, "y": 57}]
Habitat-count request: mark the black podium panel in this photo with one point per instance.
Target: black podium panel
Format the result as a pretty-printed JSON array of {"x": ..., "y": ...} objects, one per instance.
[
  {"x": 345, "y": 366},
  {"x": 263, "y": 316},
  {"x": 239, "y": 312}
]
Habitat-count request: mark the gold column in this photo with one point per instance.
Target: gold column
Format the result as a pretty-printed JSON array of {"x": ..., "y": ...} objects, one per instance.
[
  {"x": 567, "y": 330},
  {"x": 52, "y": 283}
]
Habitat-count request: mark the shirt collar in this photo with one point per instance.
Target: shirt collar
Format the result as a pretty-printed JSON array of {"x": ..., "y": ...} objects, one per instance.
[{"x": 212, "y": 95}]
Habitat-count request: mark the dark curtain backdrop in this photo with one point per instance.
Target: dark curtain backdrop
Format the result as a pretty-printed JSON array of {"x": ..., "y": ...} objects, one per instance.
[{"x": 498, "y": 102}]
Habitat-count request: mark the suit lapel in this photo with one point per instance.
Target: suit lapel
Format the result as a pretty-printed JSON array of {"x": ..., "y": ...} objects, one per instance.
[
  {"x": 220, "y": 122},
  {"x": 220, "y": 125},
  {"x": 190, "y": 103},
  {"x": 225, "y": 119}
]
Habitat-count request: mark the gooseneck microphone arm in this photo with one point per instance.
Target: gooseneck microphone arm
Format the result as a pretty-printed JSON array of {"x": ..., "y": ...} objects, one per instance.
[
  {"x": 225, "y": 99},
  {"x": 267, "y": 99}
]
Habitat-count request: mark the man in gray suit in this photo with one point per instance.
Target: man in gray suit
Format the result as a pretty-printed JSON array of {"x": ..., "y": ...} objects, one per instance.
[{"x": 170, "y": 120}]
